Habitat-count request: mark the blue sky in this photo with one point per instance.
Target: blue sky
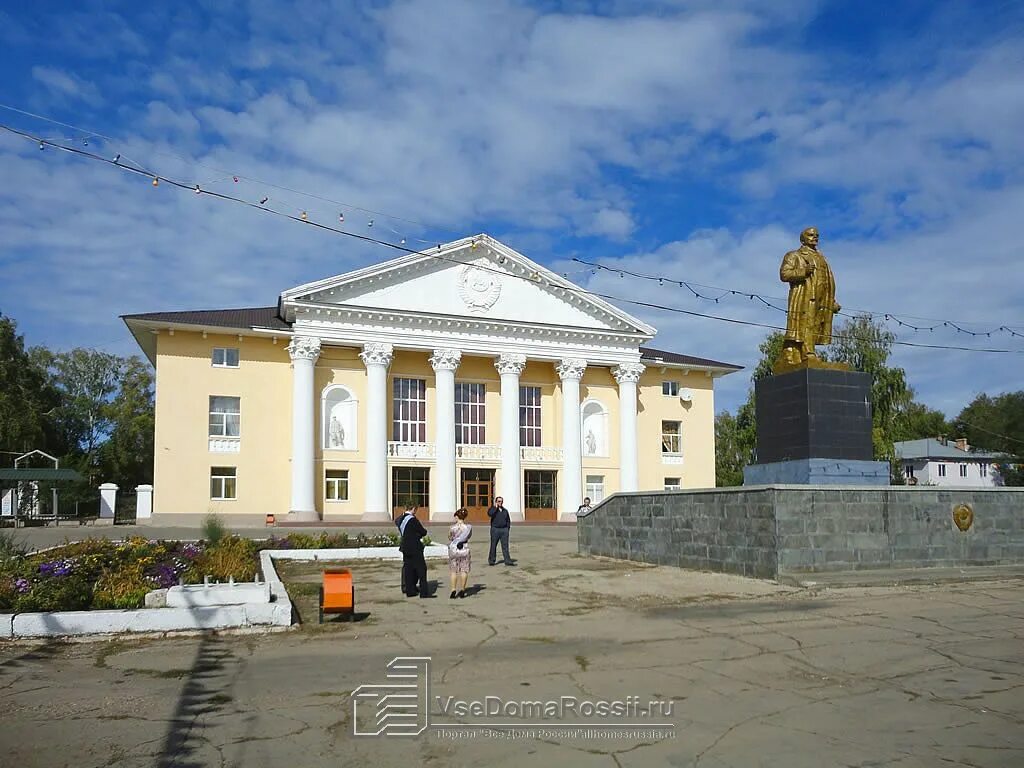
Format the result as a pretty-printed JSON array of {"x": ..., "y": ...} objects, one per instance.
[{"x": 690, "y": 139}]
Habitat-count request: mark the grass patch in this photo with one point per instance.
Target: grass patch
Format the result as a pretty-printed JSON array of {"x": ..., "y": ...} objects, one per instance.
[{"x": 582, "y": 662}]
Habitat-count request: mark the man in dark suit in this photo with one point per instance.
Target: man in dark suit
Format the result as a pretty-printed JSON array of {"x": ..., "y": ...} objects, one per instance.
[
  {"x": 414, "y": 565},
  {"x": 501, "y": 521}
]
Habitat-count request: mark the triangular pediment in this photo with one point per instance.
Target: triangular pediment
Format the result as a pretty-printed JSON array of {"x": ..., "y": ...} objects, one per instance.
[{"x": 473, "y": 277}]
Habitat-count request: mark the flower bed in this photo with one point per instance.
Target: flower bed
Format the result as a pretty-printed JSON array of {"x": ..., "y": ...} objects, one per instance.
[{"x": 99, "y": 573}]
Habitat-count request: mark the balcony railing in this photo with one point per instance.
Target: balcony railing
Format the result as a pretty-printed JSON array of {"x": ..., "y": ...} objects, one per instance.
[
  {"x": 478, "y": 452},
  {"x": 398, "y": 450},
  {"x": 541, "y": 453}
]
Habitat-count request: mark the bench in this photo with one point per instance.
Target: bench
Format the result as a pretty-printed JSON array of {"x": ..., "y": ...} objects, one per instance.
[{"x": 337, "y": 594}]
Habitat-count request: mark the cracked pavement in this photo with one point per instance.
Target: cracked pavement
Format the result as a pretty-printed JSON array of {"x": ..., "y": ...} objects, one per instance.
[{"x": 759, "y": 674}]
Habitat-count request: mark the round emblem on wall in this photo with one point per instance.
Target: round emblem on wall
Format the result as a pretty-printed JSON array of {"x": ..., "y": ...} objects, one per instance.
[
  {"x": 963, "y": 516},
  {"x": 479, "y": 288}
]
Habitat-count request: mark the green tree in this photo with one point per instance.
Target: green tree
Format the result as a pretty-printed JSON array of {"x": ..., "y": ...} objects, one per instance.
[
  {"x": 865, "y": 345},
  {"x": 27, "y": 399},
  {"x": 126, "y": 457},
  {"x": 87, "y": 381},
  {"x": 918, "y": 420},
  {"x": 736, "y": 436},
  {"x": 997, "y": 424}
]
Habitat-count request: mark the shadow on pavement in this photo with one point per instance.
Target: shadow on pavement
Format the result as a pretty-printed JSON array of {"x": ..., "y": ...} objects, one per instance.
[
  {"x": 204, "y": 693},
  {"x": 40, "y": 653}
]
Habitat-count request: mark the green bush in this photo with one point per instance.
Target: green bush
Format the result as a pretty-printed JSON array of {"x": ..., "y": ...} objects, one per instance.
[
  {"x": 65, "y": 593},
  {"x": 232, "y": 556},
  {"x": 214, "y": 529},
  {"x": 122, "y": 587}
]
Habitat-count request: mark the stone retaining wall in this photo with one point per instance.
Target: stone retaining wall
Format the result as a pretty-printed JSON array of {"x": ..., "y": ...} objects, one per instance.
[{"x": 776, "y": 530}]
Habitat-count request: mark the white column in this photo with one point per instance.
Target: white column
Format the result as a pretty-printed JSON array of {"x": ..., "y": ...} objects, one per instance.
[
  {"x": 446, "y": 483},
  {"x": 304, "y": 351},
  {"x": 628, "y": 375},
  {"x": 108, "y": 501},
  {"x": 143, "y": 502},
  {"x": 510, "y": 366},
  {"x": 570, "y": 372},
  {"x": 377, "y": 358}
]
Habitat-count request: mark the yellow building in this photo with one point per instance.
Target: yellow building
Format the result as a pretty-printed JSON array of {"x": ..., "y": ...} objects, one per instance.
[{"x": 442, "y": 378}]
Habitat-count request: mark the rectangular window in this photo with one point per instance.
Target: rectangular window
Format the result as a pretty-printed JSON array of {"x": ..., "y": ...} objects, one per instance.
[
  {"x": 469, "y": 413},
  {"x": 410, "y": 485},
  {"x": 539, "y": 487},
  {"x": 670, "y": 388},
  {"x": 908, "y": 471},
  {"x": 671, "y": 437},
  {"x": 963, "y": 470},
  {"x": 942, "y": 470},
  {"x": 225, "y": 357},
  {"x": 336, "y": 485},
  {"x": 222, "y": 483},
  {"x": 409, "y": 418},
  {"x": 983, "y": 469},
  {"x": 595, "y": 488},
  {"x": 225, "y": 416},
  {"x": 529, "y": 417},
  {"x": 673, "y": 483}
]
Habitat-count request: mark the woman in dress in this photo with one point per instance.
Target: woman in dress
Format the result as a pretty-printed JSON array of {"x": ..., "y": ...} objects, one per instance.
[{"x": 458, "y": 553}]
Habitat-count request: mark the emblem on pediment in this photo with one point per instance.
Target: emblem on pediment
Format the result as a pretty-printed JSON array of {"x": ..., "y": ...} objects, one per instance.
[{"x": 479, "y": 288}]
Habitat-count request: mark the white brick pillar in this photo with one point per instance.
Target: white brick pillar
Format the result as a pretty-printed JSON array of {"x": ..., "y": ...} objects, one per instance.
[
  {"x": 510, "y": 367},
  {"x": 628, "y": 376},
  {"x": 108, "y": 501},
  {"x": 377, "y": 357},
  {"x": 143, "y": 502},
  {"x": 570, "y": 372},
  {"x": 304, "y": 351},
  {"x": 445, "y": 482}
]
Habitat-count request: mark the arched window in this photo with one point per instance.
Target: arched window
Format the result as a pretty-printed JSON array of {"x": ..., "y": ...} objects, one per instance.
[
  {"x": 338, "y": 410},
  {"x": 594, "y": 431}
]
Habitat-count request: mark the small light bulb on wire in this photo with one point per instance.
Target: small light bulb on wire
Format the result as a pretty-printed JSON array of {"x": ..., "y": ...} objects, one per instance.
[
  {"x": 198, "y": 190},
  {"x": 85, "y": 142},
  {"x": 264, "y": 200},
  {"x": 156, "y": 181},
  {"x": 341, "y": 217},
  {"x": 303, "y": 216},
  {"x": 370, "y": 224},
  {"x": 235, "y": 178},
  {"x": 117, "y": 158},
  {"x": 41, "y": 145},
  {"x": 402, "y": 242}
]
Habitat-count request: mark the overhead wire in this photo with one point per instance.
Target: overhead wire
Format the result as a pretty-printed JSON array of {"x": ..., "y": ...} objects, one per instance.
[{"x": 303, "y": 218}]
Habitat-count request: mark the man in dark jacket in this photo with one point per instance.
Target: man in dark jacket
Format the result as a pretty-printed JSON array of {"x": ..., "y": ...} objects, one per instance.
[
  {"x": 500, "y": 523},
  {"x": 414, "y": 565}
]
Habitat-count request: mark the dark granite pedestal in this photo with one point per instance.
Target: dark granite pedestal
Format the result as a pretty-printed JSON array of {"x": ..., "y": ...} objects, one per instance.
[{"x": 814, "y": 427}]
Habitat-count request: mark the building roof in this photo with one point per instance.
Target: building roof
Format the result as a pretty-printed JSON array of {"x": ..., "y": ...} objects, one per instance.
[
  {"x": 930, "y": 448},
  {"x": 24, "y": 474},
  {"x": 655, "y": 356},
  {"x": 249, "y": 318}
]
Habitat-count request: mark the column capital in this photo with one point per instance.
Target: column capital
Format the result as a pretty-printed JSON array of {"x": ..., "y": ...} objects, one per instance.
[
  {"x": 304, "y": 348},
  {"x": 509, "y": 362},
  {"x": 628, "y": 372},
  {"x": 377, "y": 353},
  {"x": 445, "y": 359},
  {"x": 571, "y": 368}
]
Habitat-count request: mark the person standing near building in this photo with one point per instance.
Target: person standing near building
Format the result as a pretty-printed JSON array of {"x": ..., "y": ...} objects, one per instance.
[
  {"x": 584, "y": 509},
  {"x": 501, "y": 521},
  {"x": 414, "y": 565},
  {"x": 458, "y": 553}
]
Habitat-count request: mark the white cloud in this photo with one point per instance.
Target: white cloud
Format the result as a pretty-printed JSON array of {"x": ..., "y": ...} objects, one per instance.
[{"x": 66, "y": 86}]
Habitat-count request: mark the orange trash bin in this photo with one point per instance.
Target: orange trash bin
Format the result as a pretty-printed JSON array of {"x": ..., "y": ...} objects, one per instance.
[{"x": 337, "y": 595}]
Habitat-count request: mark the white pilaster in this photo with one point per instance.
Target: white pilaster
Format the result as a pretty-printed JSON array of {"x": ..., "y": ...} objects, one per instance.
[
  {"x": 510, "y": 366},
  {"x": 570, "y": 372},
  {"x": 304, "y": 350},
  {"x": 628, "y": 375},
  {"x": 376, "y": 357},
  {"x": 143, "y": 502},
  {"x": 446, "y": 497}
]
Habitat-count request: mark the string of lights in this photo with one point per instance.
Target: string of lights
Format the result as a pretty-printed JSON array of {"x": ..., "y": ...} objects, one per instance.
[
  {"x": 698, "y": 290},
  {"x": 724, "y": 292},
  {"x": 303, "y": 218}
]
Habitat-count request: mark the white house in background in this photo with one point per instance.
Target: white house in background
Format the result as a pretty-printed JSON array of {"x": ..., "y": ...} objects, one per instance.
[{"x": 937, "y": 461}]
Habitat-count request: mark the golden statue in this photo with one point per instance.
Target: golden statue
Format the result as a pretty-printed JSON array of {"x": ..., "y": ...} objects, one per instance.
[{"x": 812, "y": 303}]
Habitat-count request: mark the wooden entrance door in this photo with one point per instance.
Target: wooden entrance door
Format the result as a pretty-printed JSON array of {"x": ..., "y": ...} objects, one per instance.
[{"x": 477, "y": 493}]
